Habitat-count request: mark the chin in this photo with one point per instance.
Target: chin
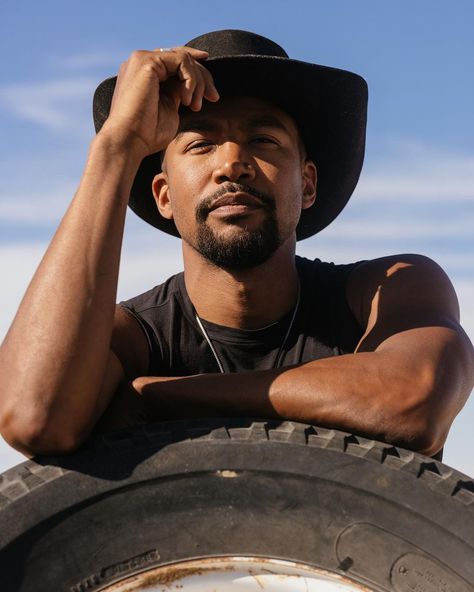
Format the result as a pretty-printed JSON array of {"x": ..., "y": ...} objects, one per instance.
[{"x": 238, "y": 248}]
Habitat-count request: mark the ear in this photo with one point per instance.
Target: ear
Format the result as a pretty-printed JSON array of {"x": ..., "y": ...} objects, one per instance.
[
  {"x": 310, "y": 181},
  {"x": 161, "y": 193}
]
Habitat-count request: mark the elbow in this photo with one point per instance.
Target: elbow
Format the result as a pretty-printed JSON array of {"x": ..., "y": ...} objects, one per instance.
[
  {"x": 413, "y": 414},
  {"x": 439, "y": 400},
  {"x": 424, "y": 423},
  {"x": 423, "y": 438},
  {"x": 414, "y": 430},
  {"x": 33, "y": 437}
]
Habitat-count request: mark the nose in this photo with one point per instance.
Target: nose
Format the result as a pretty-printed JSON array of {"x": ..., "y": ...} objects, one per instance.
[{"x": 232, "y": 164}]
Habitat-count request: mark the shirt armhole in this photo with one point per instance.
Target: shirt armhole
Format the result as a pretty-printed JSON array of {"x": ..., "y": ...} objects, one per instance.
[{"x": 131, "y": 370}]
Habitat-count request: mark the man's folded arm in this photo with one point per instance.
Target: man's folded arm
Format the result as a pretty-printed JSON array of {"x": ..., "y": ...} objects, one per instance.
[{"x": 410, "y": 376}]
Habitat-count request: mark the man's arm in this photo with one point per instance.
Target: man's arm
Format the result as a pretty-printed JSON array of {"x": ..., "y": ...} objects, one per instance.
[
  {"x": 58, "y": 372},
  {"x": 411, "y": 374},
  {"x": 55, "y": 359}
]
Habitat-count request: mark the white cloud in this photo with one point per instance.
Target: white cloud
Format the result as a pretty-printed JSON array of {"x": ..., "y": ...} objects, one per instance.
[
  {"x": 51, "y": 104},
  {"x": 375, "y": 228},
  {"x": 17, "y": 265},
  {"x": 418, "y": 173},
  {"x": 330, "y": 248},
  {"x": 419, "y": 186},
  {"x": 88, "y": 60},
  {"x": 36, "y": 208},
  {"x": 141, "y": 269},
  {"x": 465, "y": 291}
]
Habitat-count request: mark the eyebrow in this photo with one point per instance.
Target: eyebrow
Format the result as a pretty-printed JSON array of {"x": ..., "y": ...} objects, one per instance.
[
  {"x": 267, "y": 121},
  {"x": 207, "y": 124},
  {"x": 202, "y": 124}
]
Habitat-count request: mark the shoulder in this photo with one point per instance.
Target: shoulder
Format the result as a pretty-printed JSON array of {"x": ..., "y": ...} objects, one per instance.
[{"x": 409, "y": 284}]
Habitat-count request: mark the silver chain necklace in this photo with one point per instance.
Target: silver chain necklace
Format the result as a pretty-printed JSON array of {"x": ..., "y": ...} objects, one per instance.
[{"x": 279, "y": 356}]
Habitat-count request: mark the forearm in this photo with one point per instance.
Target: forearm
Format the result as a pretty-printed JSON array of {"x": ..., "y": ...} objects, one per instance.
[
  {"x": 317, "y": 392},
  {"x": 347, "y": 392},
  {"x": 386, "y": 395},
  {"x": 53, "y": 359}
]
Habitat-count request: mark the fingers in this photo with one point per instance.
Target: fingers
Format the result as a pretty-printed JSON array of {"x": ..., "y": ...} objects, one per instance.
[
  {"x": 151, "y": 86},
  {"x": 196, "y": 80}
]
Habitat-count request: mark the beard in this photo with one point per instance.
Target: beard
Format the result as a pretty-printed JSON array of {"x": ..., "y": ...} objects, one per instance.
[{"x": 246, "y": 249}]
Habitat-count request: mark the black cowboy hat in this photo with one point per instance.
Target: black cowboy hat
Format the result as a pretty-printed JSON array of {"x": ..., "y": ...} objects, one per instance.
[{"x": 328, "y": 105}]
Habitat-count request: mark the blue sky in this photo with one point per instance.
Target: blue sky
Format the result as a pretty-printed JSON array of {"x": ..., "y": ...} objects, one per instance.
[{"x": 416, "y": 192}]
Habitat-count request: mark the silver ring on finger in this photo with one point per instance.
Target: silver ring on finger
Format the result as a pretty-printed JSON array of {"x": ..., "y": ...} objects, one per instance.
[{"x": 166, "y": 49}]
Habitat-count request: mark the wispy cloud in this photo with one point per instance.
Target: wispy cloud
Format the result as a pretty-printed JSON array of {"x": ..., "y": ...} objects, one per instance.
[
  {"x": 456, "y": 227},
  {"x": 415, "y": 172},
  {"x": 40, "y": 208},
  {"x": 455, "y": 262},
  {"x": 17, "y": 265},
  {"x": 52, "y": 104},
  {"x": 88, "y": 60}
]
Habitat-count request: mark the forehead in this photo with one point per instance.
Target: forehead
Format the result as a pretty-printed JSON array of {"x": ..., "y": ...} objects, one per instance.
[{"x": 240, "y": 112}]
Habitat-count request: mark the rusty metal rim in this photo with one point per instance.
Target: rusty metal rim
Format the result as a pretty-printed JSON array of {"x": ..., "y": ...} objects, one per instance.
[{"x": 236, "y": 574}]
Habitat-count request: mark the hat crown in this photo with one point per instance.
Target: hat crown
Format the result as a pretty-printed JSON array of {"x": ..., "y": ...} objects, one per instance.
[
  {"x": 329, "y": 107},
  {"x": 233, "y": 42}
]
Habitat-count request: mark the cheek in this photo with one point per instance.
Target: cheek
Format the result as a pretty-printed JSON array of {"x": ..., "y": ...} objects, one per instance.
[
  {"x": 289, "y": 186},
  {"x": 289, "y": 183},
  {"x": 184, "y": 196},
  {"x": 187, "y": 181}
]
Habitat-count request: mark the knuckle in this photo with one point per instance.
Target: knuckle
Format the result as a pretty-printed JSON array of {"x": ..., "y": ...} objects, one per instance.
[
  {"x": 191, "y": 82},
  {"x": 138, "y": 54},
  {"x": 205, "y": 72},
  {"x": 186, "y": 59},
  {"x": 200, "y": 83},
  {"x": 148, "y": 66}
]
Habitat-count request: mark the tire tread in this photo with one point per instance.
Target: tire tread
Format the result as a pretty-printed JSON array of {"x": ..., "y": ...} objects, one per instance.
[{"x": 21, "y": 479}]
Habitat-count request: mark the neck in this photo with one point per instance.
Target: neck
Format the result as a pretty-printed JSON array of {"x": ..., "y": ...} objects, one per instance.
[{"x": 245, "y": 299}]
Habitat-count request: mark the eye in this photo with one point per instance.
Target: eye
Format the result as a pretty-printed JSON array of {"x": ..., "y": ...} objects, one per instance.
[
  {"x": 199, "y": 146},
  {"x": 264, "y": 140}
]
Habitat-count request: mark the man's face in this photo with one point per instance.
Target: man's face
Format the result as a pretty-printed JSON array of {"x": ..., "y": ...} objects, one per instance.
[{"x": 235, "y": 180}]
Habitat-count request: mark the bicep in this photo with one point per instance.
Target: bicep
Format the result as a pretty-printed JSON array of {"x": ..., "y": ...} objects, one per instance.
[{"x": 411, "y": 316}]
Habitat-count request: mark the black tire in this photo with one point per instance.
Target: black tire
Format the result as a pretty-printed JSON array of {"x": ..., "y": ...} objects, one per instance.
[{"x": 384, "y": 517}]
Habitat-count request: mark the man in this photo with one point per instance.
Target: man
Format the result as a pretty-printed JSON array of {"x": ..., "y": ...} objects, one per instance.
[{"x": 240, "y": 151}]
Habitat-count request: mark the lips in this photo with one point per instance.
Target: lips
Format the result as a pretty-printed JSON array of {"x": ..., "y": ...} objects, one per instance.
[
  {"x": 233, "y": 199},
  {"x": 237, "y": 201}
]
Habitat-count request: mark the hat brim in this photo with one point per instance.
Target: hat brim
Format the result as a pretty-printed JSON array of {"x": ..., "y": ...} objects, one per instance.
[{"x": 329, "y": 106}]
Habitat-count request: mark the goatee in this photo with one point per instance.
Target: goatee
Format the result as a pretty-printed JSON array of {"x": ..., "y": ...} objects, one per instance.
[{"x": 246, "y": 249}]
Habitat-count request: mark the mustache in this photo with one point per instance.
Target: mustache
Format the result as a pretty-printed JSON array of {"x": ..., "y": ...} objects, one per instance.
[{"x": 203, "y": 208}]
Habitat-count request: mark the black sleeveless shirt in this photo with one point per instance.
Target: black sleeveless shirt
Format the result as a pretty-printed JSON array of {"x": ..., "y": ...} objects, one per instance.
[{"x": 324, "y": 326}]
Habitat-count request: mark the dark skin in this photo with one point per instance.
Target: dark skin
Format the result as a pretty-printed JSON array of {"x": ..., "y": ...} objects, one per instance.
[
  {"x": 83, "y": 365},
  {"x": 404, "y": 385},
  {"x": 391, "y": 390}
]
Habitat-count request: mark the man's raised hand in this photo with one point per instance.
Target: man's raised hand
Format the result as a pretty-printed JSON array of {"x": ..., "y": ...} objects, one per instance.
[{"x": 151, "y": 86}]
